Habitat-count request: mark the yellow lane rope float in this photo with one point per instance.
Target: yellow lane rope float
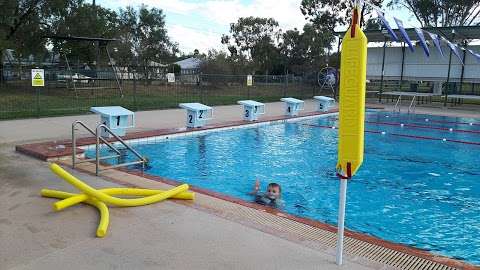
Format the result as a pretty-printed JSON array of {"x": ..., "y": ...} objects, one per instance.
[
  {"x": 353, "y": 75},
  {"x": 100, "y": 198}
]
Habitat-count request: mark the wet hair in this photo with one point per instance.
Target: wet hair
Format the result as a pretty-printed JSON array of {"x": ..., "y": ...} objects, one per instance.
[{"x": 275, "y": 185}]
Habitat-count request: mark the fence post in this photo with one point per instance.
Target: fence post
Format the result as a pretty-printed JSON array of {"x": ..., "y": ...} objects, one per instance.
[
  {"x": 248, "y": 87},
  {"x": 135, "y": 108},
  {"x": 37, "y": 89}
]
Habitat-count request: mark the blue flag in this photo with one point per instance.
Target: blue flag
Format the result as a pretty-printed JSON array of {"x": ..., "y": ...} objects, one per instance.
[
  {"x": 404, "y": 34},
  {"x": 454, "y": 49},
  {"x": 436, "y": 40},
  {"x": 423, "y": 43},
  {"x": 476, "y": 55},
  {"x": 386, "y": 24}
]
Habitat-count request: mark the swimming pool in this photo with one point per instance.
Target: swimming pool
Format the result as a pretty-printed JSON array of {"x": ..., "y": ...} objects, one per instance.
[{"x": 419, "y": 185}]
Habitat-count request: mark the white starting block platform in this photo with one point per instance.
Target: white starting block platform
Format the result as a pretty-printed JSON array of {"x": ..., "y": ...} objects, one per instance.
[
  {"x": 324, "y": 103},
  {"x": 197, "y": 114},
  {"x": 293, "y": 106},
  {"x": 116, "y": 118},
  {"x": 252, "y": 109}
]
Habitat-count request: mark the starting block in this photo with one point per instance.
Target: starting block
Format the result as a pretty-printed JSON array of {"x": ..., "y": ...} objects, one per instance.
[
  {"x": 293, "y": 106},
  {"x": 252, "y": 109},
  {"x": 324, "y": 103},
  {"x": 197, "y": 114},
  {"x": 116, "y": 118}
]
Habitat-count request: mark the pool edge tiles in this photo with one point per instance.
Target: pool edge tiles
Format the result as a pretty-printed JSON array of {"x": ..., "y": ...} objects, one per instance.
[{"x": 302, "y": 230}]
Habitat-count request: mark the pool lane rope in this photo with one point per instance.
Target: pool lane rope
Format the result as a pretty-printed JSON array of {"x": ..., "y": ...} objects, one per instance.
[
  {"x": 353, "y": 72},
  {"x": 402, "y": 135},
  {"x": 100, "y": 198}
]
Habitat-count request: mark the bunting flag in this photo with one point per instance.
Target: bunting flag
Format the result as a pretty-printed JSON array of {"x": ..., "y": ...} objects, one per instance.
[
  {"x": 386, "y": 24},
  {"x": 476, "y": 55},
  {"x": 454, "y": 49},
  {"x": 423, "y": 42},
  {"x": 436, "y": 40},
  {"x": 404, "y": 34}
]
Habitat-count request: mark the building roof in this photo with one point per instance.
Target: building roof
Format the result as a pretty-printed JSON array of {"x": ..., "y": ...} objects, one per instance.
[
  {"x": 461, "y": 33},
  {"x": 189, "y": 63}
]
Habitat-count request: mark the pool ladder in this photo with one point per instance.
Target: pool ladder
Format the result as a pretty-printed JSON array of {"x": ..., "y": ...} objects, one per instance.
[
  {"x": 99, "y": 139},
  {"x": 411, "y": 108}
]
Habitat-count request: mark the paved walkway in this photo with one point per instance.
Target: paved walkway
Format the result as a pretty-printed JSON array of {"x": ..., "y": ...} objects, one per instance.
[{"x": 161, "y": 236}]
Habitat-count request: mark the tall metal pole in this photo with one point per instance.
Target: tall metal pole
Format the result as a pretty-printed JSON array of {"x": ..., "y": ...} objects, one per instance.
[
  {"x": 403, "y": 64},
  {"x": 448, "y": 74},
  {"x": 383, "y": 71},
  {"x": 341, "y": 220},
  {"x": 337, "y": 83},
  {"x": 463, "y": 65}
]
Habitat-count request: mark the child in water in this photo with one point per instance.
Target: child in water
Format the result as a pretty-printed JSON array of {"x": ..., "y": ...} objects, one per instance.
[{"x": 270, "y": 198}]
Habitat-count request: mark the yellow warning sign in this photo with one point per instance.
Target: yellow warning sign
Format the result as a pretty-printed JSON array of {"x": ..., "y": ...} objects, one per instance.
[
  {"x": 249, "y": 80},
  {"x": 38, "y": 77}
]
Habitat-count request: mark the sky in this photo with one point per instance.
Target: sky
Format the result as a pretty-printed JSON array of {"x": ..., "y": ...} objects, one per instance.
[{"x": 197, "y": 24}]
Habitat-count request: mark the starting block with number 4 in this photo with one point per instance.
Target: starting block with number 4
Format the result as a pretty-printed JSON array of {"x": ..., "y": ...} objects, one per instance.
[
  {"x": 293, "y": 106},
  {"x": 324, "y": 103},
  {"x": 197, "y": 114},
  {"x": 252, "y": 109}
]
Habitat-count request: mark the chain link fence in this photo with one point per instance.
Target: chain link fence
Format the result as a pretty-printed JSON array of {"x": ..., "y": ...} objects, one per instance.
[{"x": 75, "y": 91}]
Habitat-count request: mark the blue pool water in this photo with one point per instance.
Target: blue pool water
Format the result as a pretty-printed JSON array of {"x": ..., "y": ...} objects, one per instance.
[{"x": 423, "y": 193}]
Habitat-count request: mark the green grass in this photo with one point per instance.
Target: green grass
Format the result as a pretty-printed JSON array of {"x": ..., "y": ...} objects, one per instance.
[{"x": 19, "y": 100}]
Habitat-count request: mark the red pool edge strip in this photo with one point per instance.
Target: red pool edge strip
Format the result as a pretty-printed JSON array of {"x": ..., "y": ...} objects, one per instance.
[
  {"x": 424, "y": 254},
  {"x": 46, "y": 150},
  {"x": 317, "y": 224}
]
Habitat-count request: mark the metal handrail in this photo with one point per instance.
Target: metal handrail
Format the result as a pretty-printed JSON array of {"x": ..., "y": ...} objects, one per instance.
[
  {"x": 398, "y": 104},
  {"x": 142, "y": 160},
  {"x": 74, "y": 141}
]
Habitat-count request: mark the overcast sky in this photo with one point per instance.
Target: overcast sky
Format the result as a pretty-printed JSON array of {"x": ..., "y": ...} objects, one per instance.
[{"x": 196, "y": 24}]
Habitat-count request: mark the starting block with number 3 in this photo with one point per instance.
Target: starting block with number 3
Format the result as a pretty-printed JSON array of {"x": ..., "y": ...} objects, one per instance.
[
  {"x": 252, "y": 109},
  {"x": 197, "y": 114}
]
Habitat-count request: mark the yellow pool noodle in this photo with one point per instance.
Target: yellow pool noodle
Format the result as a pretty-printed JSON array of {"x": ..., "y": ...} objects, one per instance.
[
  {"x": 78, "y": 198},
  {"x": 102, "y": 208},
  {"x": 353, "y": 72},
  {"x": 114, "y": 200}
]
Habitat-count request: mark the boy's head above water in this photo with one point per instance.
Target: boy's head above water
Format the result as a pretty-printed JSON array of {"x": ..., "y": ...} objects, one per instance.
[{"x": 274, "y": 191}]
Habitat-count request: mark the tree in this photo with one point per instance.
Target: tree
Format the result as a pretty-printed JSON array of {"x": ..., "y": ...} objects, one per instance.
[
  {"x": 256, "y": 39},
  {"x": 87, "y": 21},
  {"x": 329, "y": 14},
  {"x": 144, "y": 37},
  {"x": 442, "y": 12}
]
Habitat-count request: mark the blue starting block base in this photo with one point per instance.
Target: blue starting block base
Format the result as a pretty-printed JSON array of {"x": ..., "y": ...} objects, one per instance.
[
  {"x": 293, "y": 106},
  {"x": 324, "y": 103},
  {"x": 197, "y": 114},
  {"x": 116, "y": 118},
  {"x": 252, "y": 109}
]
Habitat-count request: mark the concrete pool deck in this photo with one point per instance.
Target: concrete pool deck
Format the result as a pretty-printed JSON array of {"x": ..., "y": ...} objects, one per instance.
[{"x": 167, "y": 235}]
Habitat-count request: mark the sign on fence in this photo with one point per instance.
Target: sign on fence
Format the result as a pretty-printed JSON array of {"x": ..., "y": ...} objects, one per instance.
[
  {"x": 249, "y": 80},
  {"x": 171, "y": 77},
  {"x": 38, "y": 77}
]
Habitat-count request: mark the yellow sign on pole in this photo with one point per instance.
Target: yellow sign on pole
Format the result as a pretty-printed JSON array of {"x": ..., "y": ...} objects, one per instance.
[
  {"x": 38, "y": 77},
  {"x": 249, "y": 80}
]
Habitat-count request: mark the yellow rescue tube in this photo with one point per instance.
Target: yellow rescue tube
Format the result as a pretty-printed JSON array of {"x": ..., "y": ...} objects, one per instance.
[
  {"x": 353, "y": 73},
  {"x": 79, "y": 198},
  {"x": 88, "y": 190},
  {"x": 102, "y": 208}
]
